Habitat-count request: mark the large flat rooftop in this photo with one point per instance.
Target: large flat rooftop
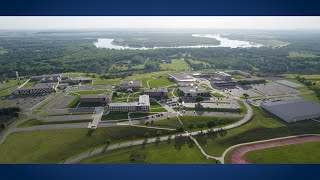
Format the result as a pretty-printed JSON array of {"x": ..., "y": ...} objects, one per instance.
[
  {"x": 182, "y": 77},
  {"x": 293, "y": 110}
]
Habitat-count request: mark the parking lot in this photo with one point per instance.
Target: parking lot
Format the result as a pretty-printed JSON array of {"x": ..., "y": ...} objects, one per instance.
[{"x": 273, "y": 88}]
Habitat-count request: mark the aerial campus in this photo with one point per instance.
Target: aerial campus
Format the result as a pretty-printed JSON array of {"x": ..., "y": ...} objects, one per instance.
[{"x": 179, "y": 110}]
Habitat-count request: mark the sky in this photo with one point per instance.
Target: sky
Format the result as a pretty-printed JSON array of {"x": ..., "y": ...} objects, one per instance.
[{"x": 107, "y": 22}]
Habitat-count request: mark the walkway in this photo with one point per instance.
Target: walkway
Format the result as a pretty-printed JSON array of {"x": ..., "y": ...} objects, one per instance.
[{"x": 96, "y": 118}]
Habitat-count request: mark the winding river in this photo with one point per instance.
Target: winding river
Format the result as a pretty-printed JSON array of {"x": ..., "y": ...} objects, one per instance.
[{"x": 224, "y": 42}]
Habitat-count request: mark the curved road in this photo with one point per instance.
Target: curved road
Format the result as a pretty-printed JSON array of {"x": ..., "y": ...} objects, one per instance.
[{"x": 80, "y": 157}]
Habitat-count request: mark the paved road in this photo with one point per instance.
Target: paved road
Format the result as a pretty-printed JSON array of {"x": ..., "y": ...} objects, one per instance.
[{"x": 80, "y": 157}]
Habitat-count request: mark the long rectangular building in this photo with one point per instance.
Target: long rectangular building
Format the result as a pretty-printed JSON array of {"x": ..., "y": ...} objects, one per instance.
[
  {"x": 156, "y": 92},
  {"x": 191, "y": 91},
  {"x": 130, "y": 84},
  {"x": 39, "y": 88},
  {"x": 293, "y": 110},
  {"x": 143, "y": 105},
  {"x": 104, "y": 98}
]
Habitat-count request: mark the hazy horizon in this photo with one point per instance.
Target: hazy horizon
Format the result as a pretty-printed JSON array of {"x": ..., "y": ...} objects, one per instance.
[{"x": 160, "y": 22}]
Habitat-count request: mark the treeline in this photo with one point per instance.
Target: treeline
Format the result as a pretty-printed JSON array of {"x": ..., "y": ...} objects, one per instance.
[
  {"x": 43, "y": 55},
  {"x": 310, "y": 84},
  {"x": 10, "y": 111}
]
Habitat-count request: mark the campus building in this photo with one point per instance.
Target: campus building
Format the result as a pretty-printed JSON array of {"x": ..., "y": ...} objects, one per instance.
[
  {"x": 156, "y": 92},
  {"x": 223, "y": 76},
  {"x": 293, "y": 110},
  {"x": 181, "y": 77},
  {"x": 222, "y": 79},
  {"x": 130, "y": 85},
  {"x": 104, "y": 98},
  {"x": 39, "y": 88},
  {"x": 77, "y": 80},
  {"x": 38, "y": 78},
  {"x": 143, "y": 105},
  {"x": 192, "y": 91},
  {"x": 241, "y": 73}
]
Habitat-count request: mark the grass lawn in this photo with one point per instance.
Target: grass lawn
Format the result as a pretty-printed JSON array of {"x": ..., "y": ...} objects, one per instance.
[
  {"x": 35, "y": 122},
  {"x": 176, "y": 65},
  {"x": 173, "y": 123},
  {"x": 181, "y": 151},
  {"x": 160, "y": 82},
  {"x": 115, "y": 116},
  {"x": 236, "y": 76},
  {"x": 216, "y": 94},
  {"x": 5, "y": 91},
  {"x": 261, "y": 127},
  {"x": 73, "y": 103},
  {"x": 301, "y": 153},
  {"x": 2, "y": 101},
  {"x": 198, "y": 62},
  {"x": 54, "y": 146},
  {"x": 311, "y": 97},
  {"x": 301, "y": 54}
]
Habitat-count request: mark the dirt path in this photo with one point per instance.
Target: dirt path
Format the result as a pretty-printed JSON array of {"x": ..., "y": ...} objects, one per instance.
[{"x": 237, "y": 155}]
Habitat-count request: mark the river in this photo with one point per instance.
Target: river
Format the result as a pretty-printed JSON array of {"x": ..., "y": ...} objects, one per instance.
[{"x": 224, "y": 42}]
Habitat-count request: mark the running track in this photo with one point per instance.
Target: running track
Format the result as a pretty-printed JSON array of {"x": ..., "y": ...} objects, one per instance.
[{"x": 237, "y": 155}]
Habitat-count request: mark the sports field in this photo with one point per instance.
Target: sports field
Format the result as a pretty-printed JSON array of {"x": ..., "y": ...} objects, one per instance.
[{"x": 301, "y": 153}]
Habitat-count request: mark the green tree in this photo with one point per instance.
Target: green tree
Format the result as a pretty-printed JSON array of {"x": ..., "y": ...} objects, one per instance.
[{"x": 146, "y": 135}]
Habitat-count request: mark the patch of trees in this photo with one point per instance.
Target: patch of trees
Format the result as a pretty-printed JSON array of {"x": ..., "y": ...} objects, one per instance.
[
  {"x": 10, "y": 111},
  {"x": 309, "y": 84}
]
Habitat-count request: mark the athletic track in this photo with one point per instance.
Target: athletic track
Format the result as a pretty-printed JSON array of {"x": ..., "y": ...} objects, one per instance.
[{"x": 237, "y": 155}]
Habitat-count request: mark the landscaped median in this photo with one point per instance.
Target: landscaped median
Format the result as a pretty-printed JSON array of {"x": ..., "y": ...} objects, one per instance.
[
  {"x": 36, "y": 122},
  {"x": 124, "y": 116}
]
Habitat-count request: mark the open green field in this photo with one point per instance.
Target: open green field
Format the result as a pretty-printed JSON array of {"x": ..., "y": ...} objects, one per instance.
[
  {"x": 2, "y": 101},
  {"x": 181, "y": 151},
  {"x": 309, "y": 77},
  {"x": 301, "y": 54},
  {"x": 35, "y": 122},
  {"x": 160, "y": 82},
  {"x": 198, "y": 62},
  {"x": 262, "y": 126},
  {"x": 54, "y": 146},
  {"x": 311, "y": 97},
  {"x": 301, "y": 153},
  {"x": 154, "y": 76},
  {"x": 176, "y": 65},
  {"x": 236, "y": 76},
  {"x": 216, "y": 94},
  {"x": 115, "y": 116},
  {"x": 173, "y": 122}
]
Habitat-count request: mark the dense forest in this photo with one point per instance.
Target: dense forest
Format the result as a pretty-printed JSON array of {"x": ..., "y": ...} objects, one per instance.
[{"x": 40, "y": 53}]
